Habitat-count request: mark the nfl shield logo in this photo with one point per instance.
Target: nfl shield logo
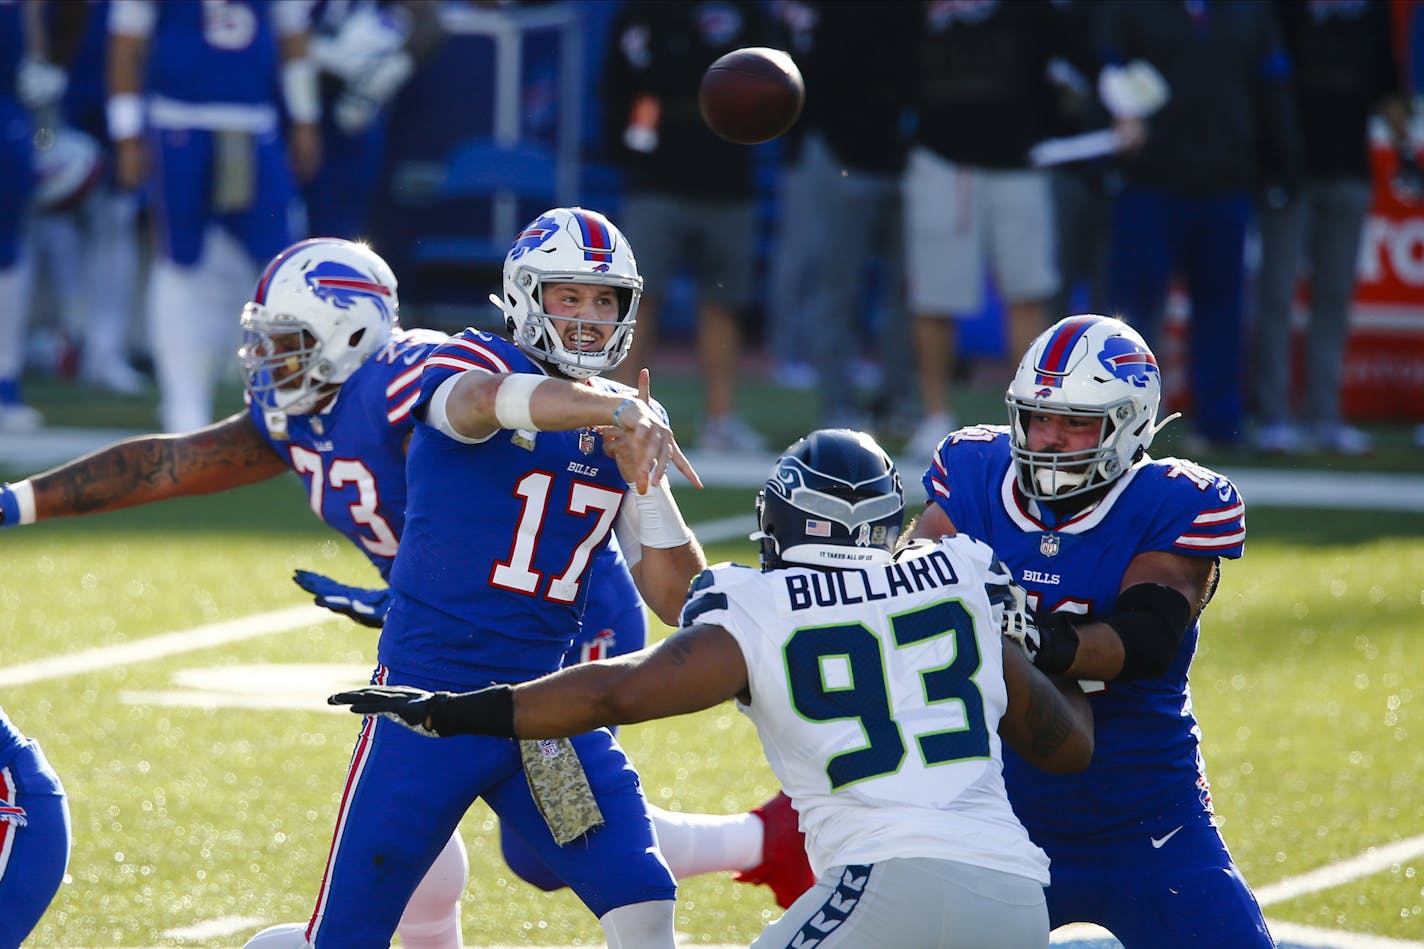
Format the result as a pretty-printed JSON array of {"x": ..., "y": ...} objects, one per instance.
[
  {"x": 586, "y": 441},
  {"x": 1048, "y": 545}
]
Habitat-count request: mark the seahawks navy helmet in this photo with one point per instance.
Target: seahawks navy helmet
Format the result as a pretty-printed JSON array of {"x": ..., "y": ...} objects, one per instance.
[{"x": 833, "y": 500}]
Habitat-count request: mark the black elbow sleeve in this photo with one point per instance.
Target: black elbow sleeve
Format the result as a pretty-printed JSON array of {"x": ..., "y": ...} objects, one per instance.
[{"x": 1151, "y": 620}]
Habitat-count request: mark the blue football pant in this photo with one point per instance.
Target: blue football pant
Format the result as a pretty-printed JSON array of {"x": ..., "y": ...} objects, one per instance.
[
  {"x": 406, "y": 793},
  {"x": 1185, "y": 894},
  {"x": 184, "y": 162}
]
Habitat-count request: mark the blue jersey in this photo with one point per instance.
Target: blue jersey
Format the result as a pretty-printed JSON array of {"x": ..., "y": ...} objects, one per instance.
[
  {"x": 352, "y": 457},
  {"x": 12, "y": 44},
  {"x": 214, "y": 52},
  {"x": 492, "y": 575},
  {"x": 11, "y": 741},
  {"x": 1147, "y": 771}
]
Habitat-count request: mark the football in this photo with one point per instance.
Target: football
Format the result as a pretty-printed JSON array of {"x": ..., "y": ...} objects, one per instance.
[{"x": 751, "y": 95}]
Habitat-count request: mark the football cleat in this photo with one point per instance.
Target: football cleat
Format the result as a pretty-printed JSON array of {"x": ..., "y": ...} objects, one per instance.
[{"x": 784, "y": 866}]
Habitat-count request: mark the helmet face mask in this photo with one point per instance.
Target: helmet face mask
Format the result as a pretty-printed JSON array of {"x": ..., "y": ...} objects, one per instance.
[
  {"x": 833, "y": 500},
  {"x": 321, "y": 309},
  {"x": 1084, "y": 367},
  {"x": 570, "y": 246}
]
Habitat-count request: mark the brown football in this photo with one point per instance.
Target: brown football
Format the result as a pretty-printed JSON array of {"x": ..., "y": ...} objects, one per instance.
[{"x": 751, "y": 95}]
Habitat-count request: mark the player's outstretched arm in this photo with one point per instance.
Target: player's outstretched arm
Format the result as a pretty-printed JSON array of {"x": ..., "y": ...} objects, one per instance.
[
  {"x": 694, "y": 669},
  {"x": 227, "y": 454},
  {"x": 1049, "y": 721}
]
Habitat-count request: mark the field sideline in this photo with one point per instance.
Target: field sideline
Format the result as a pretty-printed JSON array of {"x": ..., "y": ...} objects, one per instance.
[{"x": 1263, "y": 488}]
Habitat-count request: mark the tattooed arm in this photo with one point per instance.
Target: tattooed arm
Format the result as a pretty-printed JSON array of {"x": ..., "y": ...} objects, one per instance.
[
  {"x": 693, "y": 669},
  {"x": 227, "y": 454},
  {"x": 1049, "y": 721}
]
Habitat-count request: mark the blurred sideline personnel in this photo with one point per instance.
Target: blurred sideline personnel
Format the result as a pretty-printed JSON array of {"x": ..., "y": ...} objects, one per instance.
[
  {"x": 510, "y": 495},
  {"x": 882, "y": 690},
  {"x": 366, "y": 50},
  {"x": 1185, "y": 205},
  {"x": 343, "y": 427},
  {"x": 1343, "y": 72},
  {"x": 20, "y": 45},
  {"x": 85, "y": 230},
  {"x": 34, "y": 834},
  {"x": 1119, "y": 554},
  {"x": 207, "y": 142}
]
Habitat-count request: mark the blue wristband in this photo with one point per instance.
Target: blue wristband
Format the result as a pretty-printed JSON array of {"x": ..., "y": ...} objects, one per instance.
[{"x": 9, "y": 507}]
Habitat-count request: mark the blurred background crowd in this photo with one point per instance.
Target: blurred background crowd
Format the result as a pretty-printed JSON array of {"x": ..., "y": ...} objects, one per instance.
[{"x": 1237, "y": 178}]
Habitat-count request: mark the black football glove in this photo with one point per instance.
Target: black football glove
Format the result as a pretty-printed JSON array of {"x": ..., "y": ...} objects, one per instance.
[
  {"x": 402, "y": 704},
  {"x": 488, "y": 711},
  {"x": 1052, "y": 643},
  {"x": 367, "y": 607}
]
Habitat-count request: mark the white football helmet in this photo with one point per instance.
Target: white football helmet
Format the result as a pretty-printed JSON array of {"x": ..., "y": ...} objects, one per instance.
[
  {"x": 322, "y": 307},
  {"x": 569, "y": 245},
  {"x": 1090, "y": 367}
]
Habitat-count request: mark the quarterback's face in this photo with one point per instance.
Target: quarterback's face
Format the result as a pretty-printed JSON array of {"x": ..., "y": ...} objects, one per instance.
[
  {"x": 1063, "y": 433},
  {"x": 584, "y": 315}
]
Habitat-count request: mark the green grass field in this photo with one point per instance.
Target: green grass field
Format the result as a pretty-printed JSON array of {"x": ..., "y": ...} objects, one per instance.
[{"x": 196, "y": 800}]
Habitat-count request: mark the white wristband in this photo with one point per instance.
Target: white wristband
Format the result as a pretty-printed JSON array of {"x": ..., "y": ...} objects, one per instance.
[
  {"x": 125, "y": 115},
  {"x": 512, "y": 402},
  {"x": 660, "y": 523},
  {"x": 299, "y": 90}
]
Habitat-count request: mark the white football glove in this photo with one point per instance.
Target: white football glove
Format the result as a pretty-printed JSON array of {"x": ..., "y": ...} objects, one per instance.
[
  {"x": 1133, "y": 91},
  {"x": 1018, "y": 623}
]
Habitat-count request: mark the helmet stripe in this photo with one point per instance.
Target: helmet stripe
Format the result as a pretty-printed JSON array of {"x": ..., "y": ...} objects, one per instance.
[
  {"x": 265, "y": 280},
  {"x": 349, "y": 283},
  {"x": 1052, "y": 364},
  {"x": 597, "y": 242}
]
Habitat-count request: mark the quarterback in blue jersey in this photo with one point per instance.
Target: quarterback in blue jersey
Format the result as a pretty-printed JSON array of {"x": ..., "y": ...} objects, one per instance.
[
  {"x": 511, "y": 494},
  {"x": 1119, "y": 553},
  {"x": 34, "y": 834}
]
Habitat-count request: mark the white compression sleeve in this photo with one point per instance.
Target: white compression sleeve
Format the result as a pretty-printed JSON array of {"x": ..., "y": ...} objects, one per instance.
[
  {"x": 432, "y": 916},
  {"x": 705, "y": 843}
]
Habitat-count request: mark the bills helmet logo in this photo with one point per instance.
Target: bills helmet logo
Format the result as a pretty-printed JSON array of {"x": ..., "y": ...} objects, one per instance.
[
  {"x": 1128, "y": 361},
  {"x": 345, "y": 286},
  {"x": 534, "y": 236},
  {"x": 13, "y": 814}
]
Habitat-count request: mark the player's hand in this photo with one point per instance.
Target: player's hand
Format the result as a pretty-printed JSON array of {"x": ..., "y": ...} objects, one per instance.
[
  {"x": 1052, "y": 641},
  {"x": 402, "y": 704},
  {"x": 1018, "y": 622},
  {"x": 304, "y": 150},
  {"x": 643, "y": 444},
  {"x": 130, "y": 163},
  {"x": 367, "y": 607}
]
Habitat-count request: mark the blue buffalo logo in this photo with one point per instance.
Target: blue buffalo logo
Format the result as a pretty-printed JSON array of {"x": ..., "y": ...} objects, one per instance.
[
  {"x": 344, "y": 286},
  {"x": 1128, "y": 361},
  {"x": 534, "y": 236}
]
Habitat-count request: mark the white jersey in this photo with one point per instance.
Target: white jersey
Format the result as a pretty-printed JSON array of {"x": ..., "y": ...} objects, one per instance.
[{"x": 877, "y": 694}]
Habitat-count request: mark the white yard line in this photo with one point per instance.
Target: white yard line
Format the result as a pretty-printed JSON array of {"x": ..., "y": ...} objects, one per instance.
[
  {"x": 165, "y": 644},
  {"x": 1366, "y": 864}
]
